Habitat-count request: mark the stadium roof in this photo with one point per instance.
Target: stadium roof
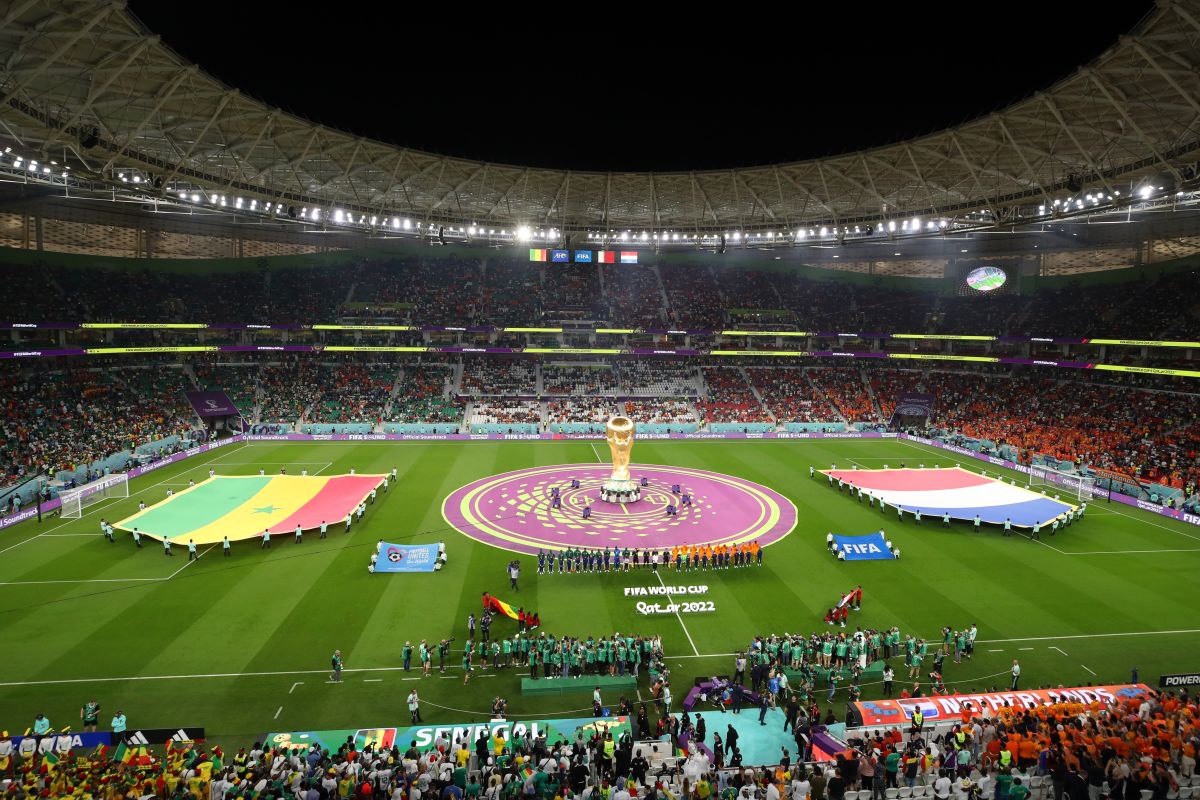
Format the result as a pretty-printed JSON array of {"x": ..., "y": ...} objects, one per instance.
[{"x": 87, "y": 84}]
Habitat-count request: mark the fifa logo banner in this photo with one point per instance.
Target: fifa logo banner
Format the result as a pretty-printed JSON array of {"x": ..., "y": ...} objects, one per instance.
[
  {"x": 406, "y": 558},
  {"x": 863, "y": 548}
]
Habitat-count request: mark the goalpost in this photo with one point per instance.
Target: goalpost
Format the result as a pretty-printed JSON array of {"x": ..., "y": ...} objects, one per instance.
[
  {"x": 1067, "y": 484},
  {"x": 75, "y": 501}
]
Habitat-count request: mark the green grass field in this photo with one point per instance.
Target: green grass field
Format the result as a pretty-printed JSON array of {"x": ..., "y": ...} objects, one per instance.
[{"x": 241, "y": 645}]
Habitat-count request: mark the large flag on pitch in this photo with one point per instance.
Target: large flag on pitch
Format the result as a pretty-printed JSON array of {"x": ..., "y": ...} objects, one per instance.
[
  {"x": 955, "y": 491},
  {"x": 243, "y": 506}
]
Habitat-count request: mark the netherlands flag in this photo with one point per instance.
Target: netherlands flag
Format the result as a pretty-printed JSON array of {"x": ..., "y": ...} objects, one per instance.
[{"x": 955, "y": 491}]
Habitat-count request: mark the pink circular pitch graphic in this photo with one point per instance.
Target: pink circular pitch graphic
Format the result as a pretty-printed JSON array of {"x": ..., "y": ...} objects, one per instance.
[{"x": 514, "y": 510}]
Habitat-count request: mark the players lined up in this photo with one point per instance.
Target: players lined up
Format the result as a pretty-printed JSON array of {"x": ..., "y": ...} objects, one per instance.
[{"x": 684, "y": 558}]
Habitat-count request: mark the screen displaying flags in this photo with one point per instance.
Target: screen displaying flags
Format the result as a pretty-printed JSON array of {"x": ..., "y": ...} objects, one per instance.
[
  {"x": 583, "y": 256},
  {"x": 560, "y": 256},
  {"x": 606, "y": 257},
  {"x": 536, "y": 254},
  {"x": 629, "y": 257}
]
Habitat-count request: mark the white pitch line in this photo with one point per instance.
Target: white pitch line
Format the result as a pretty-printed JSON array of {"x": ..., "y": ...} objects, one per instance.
[
  {"x": 380, "y": 680},
  {"x": 1086, "y": 667},
  {"x": 1024, "y": 648},
  {"x": 188, "y": 564},
  {"x": 1059, "y": 649},
  {"x": 84, "y": 580},
  {"x": 1128, "y": 552},
  {"x": 256, "y": 463},
  {"x": 678, "y": 617},
  {"x": 995, "y": 651},
  {"x": 1151, "y": 522},
  {"x": 277, "y": 713},
  {"x": 1088, "y": 636},
  {"x": 294, "y": 685}
]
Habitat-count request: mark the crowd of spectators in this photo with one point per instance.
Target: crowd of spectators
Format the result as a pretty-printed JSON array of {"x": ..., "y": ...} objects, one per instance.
[
  {"x": 499, "y": 376},
  {"x": 634, "y": 295},
  {"x": 696, "y": 300},
  {"x": 573, "y": 292},
  {"x": 889, "y": 384},
  {"x": 662, "y": 410},
  {"x": 748, "y": 288},
  {"x": 1149, "y": 435},
  {"x": 789, "y": 395},
  {"x": 511, "y": 293},
  {"x": 583, "y": 409},
  {"x": 240, "y": 382},
  {"x": 55, "y": 421},
  {"x": 505, "y": 412},
  {"x": 287, "y": 390},
  {"x": 353, "y": 393},
  {"x": 574, "y": 380},
  {"x": 424, "y": 396},
  {"x": 730, "y": 398},
  {"x": 659, "y": 379},
  {"x": 1138, "y": 745},
  {"x": 846, "y": 391},
  {"x": 458, "y": 290},
  {"x": 427, "y": 291}
]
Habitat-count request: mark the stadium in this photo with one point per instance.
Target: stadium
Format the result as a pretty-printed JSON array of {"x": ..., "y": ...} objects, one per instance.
[{"x": 333, "y": 467}]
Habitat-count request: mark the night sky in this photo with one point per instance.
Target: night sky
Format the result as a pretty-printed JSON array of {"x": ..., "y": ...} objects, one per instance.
[{"x": 627, "y": 91}]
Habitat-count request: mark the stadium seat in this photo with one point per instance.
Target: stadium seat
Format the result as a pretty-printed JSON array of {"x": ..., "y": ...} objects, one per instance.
[{"x": 905, "y": 792}]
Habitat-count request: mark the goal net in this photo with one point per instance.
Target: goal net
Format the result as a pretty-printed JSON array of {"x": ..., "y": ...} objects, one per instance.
[
  {"x": 1053, "y": 482},
  {"x": 74, "y": 501}
]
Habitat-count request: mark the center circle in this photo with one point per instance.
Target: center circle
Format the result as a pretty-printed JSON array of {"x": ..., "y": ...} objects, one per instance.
[{"x": 515, "y": 510}]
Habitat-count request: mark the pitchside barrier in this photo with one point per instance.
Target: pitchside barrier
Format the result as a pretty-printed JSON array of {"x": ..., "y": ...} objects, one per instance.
[{"x": 1096, "y": 491}]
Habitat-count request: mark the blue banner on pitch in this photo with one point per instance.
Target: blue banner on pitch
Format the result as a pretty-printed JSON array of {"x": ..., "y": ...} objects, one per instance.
[
  {"x": 406, "y": 558},
  {"x": 863, "y": 548}
]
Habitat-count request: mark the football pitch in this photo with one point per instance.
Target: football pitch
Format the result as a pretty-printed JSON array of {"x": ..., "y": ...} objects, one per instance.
[{"x": 241, "y": 645}]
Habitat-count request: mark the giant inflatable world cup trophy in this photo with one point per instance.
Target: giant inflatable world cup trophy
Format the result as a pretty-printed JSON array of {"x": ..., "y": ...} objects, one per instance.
[{"x": 620, "y": 487}]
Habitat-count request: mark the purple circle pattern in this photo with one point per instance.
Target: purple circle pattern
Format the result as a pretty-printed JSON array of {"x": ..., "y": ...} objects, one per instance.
[{"x": 513, "y": 510}]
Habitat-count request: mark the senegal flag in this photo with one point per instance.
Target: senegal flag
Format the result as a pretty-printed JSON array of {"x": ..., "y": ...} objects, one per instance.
[
  {"x": 243, "y": 506},
  {"x": 503, "y": 607}
]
